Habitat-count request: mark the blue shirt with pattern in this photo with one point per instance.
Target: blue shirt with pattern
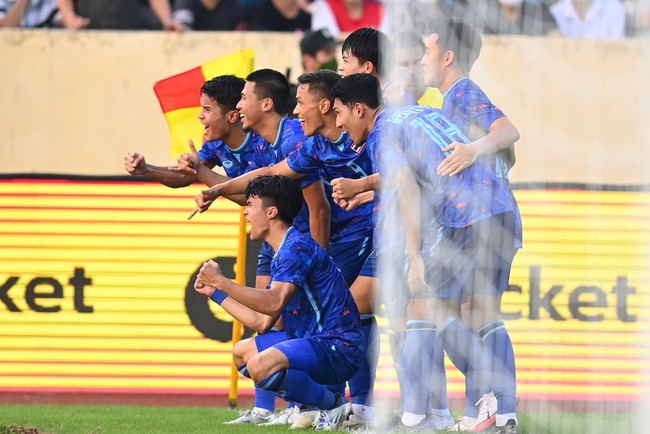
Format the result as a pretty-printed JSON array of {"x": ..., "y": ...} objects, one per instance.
[
  {"x": 290, "y": 137},
  {"x": 414, "y": 138},
  {"x": 323, "y": 305},
  {"x": 337, "y": 159},
  {"x": 234, "y": 161},
  {"x": 466, "y": 105}
]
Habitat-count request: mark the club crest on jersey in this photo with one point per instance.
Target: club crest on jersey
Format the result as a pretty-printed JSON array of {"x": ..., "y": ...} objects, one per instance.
[{"x": 227, "y": 164}]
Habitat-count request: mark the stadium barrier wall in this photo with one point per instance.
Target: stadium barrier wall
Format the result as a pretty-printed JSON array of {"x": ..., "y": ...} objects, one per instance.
[{"x": 76, "y": 102}]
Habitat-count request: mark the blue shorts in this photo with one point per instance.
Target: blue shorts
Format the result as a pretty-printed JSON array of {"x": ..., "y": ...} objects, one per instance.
[
  {"x": 264, "y": 259},
  {"x": 351, "y": 257},
  {"x": 474, "y": 259},
  {"x": 325, "y": 360},
  {"x": 267, "y": 340}
]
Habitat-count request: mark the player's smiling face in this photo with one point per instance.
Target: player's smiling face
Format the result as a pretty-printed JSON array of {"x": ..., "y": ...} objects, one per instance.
[
  {"x": 249, "y": 106},
  {"x": 347, "y": 120},
  {"x": 351, "y": 65},
  {"x": 256, "y": 215},
  {"x": 308, "y": 110},
  {"x": 214, "y": 119},
  {"x": 433, "y": 62}
]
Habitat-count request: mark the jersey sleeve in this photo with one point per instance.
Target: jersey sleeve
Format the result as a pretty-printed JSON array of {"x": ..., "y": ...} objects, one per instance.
[
  {"x": 478, "y": 108},
  {"x": 294, "y": 262},
  {"x": 209, "y": 154},
  {"x": 304, "y": 159}
]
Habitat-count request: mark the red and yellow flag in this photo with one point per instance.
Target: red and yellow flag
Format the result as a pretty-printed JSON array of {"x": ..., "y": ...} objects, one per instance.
[{"x": 179, "y": 96}]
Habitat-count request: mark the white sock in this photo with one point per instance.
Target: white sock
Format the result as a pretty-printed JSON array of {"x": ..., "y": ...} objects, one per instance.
[{"x": 411, "y": 419}]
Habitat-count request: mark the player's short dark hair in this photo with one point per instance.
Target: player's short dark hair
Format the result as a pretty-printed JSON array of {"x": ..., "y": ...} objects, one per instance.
[
  {"x": 460, "y": 38},
  {"x": 277, "y": 190},
  {"x": 358, "y": 88},
  {"x": 369, "y": 45},
  {"x": 271, "y": 84},
  {"x": 407, "y": 39},
  {"x": 225, "y": 90},
  {"x": 320, "y": 82}
]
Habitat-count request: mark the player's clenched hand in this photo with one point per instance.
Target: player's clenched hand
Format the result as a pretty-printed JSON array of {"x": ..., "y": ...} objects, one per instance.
[
  {"x": 416, "y": 281},
  {"x": 210, "y": 274},
  {"x": 462, "y": 156},
  {"x": 345, "y": 188},
  {"x": 188, "y": 162},
  {"x": 202, "y": 288},
  {"x": 134, "y": 163}
]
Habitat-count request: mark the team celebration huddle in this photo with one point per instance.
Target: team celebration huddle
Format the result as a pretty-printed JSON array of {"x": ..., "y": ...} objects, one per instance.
[{"x": 368, "y": 201}]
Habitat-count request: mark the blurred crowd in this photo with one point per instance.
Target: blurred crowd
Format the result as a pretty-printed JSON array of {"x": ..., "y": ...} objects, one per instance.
[{"x": 567, "y": 18}]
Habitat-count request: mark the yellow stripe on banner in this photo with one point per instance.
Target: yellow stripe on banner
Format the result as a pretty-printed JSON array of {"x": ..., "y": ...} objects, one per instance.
[
  {"x": 95, "y": 277},
  {"x": 184, "y": 125}
]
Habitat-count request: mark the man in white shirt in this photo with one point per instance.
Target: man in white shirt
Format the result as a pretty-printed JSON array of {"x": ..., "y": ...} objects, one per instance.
[{"x": 590, "y": 19}]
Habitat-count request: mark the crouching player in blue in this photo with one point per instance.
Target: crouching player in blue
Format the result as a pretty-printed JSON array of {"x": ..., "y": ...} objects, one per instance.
[{"x": 325, "y": 343}]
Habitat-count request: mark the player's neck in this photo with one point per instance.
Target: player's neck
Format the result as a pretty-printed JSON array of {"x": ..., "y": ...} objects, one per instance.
[
  {"x": 450, "y": 79},
  {"x": 269, "y": 126},
  {"x": 276, "y": 233},
  {"x": 235, "y": 138},
  {"x": 329, "y": 129}
]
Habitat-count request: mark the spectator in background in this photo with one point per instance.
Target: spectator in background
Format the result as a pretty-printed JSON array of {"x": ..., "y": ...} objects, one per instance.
[
  {"x": 590, "y": 19},
  {"x": 28, "y": 14},
  {"x": 209, "y": 14},
  {"x": 117, "y": 14},
  {"x": 318, "y": 50},
  {"x": 278, "y": 16},
  {"x": 516, "y": 17},
  {"x": 346, "y": 16}
]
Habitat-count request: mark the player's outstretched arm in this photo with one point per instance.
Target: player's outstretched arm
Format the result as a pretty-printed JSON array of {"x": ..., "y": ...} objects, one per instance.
[
  {"x": 347, "y": 188},
  {"x": 502, "y": 135},
  {"x": 135, "y": 164},
  {"x": 238, "y": 185}
]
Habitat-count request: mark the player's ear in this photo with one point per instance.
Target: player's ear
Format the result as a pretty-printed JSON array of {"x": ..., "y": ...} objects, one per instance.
[
  {"x": 368, "y": 67},
  {"x": 324, "y": 105},
  {"x": 232, "y": 116},
  {"x": 271, "y": 212},
  {"x": 267, "y": 104},
  {"x": 449, "y": 57},
  {"x": 358, "y": 110}
]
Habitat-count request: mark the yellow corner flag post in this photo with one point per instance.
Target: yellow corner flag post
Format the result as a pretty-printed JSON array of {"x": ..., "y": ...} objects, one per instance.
[{"x": 237, "y": 328}]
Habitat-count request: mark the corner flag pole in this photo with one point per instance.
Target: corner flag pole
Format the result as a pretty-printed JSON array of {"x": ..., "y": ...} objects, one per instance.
[{"x": 237, "y": 328}]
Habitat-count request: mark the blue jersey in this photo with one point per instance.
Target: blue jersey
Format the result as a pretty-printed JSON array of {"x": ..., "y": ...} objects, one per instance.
[
  {"x": 234, "y": 161},
  {"x": 466, "y": 105},
  {"x": 290, "y": 137},
  {"x": 323, "y": 305},
  {"x": 337, "y": 160},
  {"x": 385, "y": 202},
  {"x": 413, "y": 138}
]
